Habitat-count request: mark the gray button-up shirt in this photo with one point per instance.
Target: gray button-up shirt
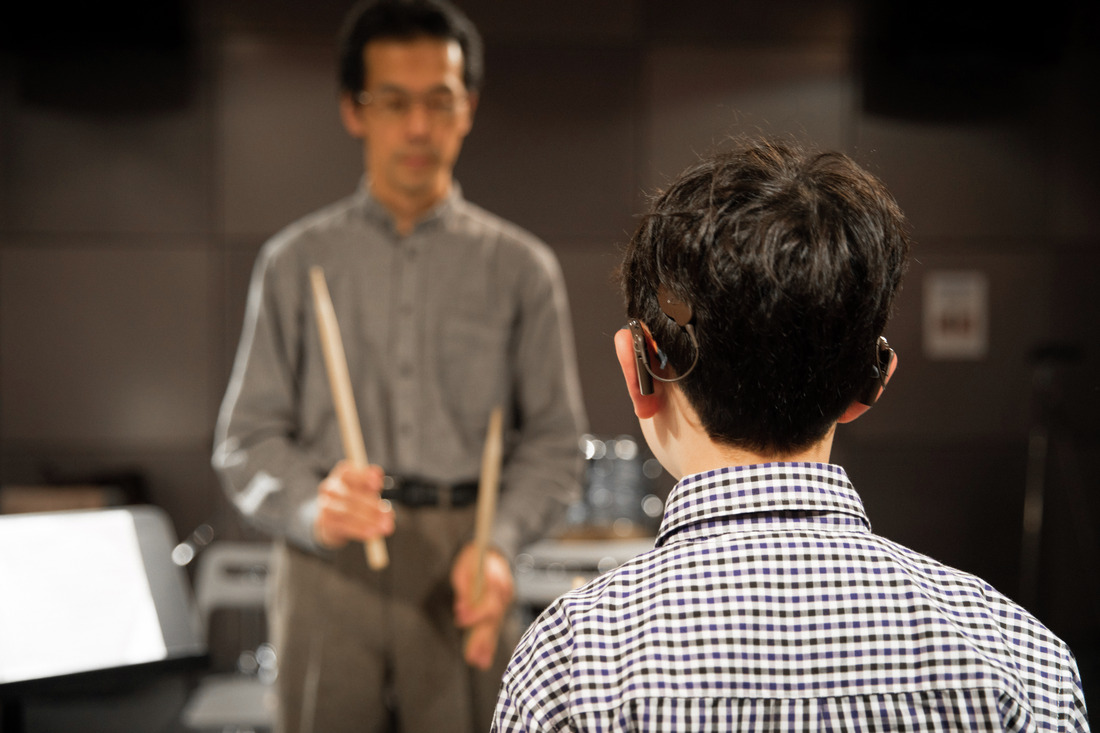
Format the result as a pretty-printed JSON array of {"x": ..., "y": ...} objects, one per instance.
[{"x": 465, "y": 313}]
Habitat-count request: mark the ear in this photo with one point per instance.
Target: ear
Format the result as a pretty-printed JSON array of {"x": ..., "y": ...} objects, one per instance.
[
  {"x": 472, "y": 101},
  {"x": 351, "y": 114},
  {"x": 645, "y": 406},
  {"x": 466, "y": 119},
  {"x": 857, "y": 408}
]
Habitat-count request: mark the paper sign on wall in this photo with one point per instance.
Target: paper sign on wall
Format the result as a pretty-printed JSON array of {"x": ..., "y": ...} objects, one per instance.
[{"x": 956, "y": 315}]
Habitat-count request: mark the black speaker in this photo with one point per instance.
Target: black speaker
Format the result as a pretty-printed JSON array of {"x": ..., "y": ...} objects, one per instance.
[
  {"x": 958, "y": 61},
  {"x": 107, "y": 57}
]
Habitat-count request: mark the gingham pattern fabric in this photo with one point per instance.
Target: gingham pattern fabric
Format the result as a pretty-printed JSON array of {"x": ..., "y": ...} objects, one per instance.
[{"x": 768, "y": 604}]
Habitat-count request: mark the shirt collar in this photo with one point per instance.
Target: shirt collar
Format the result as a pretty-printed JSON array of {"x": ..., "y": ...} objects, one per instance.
[
  {"x": 377, "y": 213},
  {"x": 708, "y": 503}
]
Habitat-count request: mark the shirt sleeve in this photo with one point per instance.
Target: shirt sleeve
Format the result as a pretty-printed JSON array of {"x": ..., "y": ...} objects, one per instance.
[
  {"x": 542, "y": 474},
  {"x": 535, "y": 692},
  {"x": 1078, "y": 716},
  {"x": 267, "y": 474},
  {"x": 507, "y": 717}
]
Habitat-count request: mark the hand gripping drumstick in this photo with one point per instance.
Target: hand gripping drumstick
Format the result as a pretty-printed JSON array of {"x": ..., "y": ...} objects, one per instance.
[{"x": 337, "y": 366}]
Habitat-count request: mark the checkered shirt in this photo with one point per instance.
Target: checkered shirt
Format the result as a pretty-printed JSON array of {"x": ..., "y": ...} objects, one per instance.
[{"x": 768, "y": 604}]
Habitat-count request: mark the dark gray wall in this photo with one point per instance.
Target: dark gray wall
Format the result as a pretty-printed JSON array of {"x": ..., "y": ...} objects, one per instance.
[{"x": 136, "y": 185}]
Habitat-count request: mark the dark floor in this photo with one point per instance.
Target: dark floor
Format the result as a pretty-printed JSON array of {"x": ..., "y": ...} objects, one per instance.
[{"x": 150, "y": 707}]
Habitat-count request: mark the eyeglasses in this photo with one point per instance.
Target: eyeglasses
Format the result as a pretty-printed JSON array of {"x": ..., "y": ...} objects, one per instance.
[{"x": 441, "y": 105}]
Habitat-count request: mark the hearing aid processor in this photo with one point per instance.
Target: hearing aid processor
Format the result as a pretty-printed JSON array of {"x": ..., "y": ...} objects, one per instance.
[{"x": 641, "y": 357}]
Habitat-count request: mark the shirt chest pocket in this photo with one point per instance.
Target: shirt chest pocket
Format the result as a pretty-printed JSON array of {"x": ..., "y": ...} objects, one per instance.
[{"x": 474, "y": 367}]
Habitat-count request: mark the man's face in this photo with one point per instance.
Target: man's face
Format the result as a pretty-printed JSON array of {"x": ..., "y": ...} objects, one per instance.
[{"x": 413, "y": 117}]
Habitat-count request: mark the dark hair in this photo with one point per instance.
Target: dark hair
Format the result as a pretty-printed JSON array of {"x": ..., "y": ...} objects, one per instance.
[
  {"x": 372, "y": 20},
  {"x": 790, "y": 260}
]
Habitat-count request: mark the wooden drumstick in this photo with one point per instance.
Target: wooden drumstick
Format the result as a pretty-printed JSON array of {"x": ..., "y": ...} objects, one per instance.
[
  {"x": 340, "y": 383},
  {"x": 487, "y": 491},
  {"x": 488, "y": 488}
]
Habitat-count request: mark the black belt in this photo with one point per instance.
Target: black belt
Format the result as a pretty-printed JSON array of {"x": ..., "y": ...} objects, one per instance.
[{"x": 414, "y": 492}]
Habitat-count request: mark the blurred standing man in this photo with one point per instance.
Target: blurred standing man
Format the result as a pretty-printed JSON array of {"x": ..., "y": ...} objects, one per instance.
[
  {"x": 446, "y": 311},
  {"x": 765, "y": 277}
]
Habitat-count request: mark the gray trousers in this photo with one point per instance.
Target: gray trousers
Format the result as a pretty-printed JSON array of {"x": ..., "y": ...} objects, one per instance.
[{"x": 377, "y": 651}]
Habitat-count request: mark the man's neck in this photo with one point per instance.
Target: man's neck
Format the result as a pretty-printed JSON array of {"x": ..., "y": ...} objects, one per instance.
[
  {"x": 690, "y": 450},
  {"x": 708, "y": 455},
  {"x": 408, "y": 208}
]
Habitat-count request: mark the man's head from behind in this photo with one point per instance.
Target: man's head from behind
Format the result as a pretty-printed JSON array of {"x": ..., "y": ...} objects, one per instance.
[{"x": 789, "y": 261}]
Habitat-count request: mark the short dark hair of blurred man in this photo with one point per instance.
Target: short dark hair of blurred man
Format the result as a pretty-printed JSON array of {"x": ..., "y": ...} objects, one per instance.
[{"x": 758, "y": 290}]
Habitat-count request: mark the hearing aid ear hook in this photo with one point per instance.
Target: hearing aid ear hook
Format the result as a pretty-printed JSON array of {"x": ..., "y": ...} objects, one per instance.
[{"x": 880, "y": 370}]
